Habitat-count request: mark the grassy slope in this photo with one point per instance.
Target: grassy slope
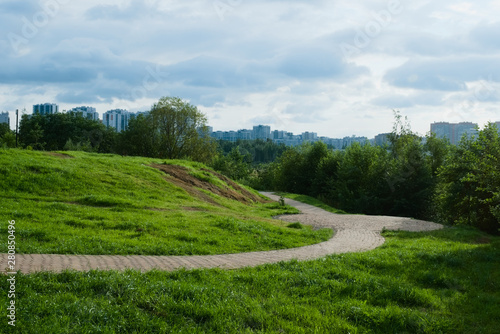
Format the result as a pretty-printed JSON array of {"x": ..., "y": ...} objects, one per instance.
[
  {"x": 107, "y": 204},
  {"x": 436, "y": 282}
]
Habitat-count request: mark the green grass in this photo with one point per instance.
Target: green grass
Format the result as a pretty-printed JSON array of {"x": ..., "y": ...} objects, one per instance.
[
  {"x": 108, "y": 204},
  {"x": 311, "y": 201},
  {"x": 444, "y": 281}
]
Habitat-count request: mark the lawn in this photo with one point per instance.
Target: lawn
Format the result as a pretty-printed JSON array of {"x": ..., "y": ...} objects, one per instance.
[
  {"x": 434, "y": 282},
  {"x": 81, "y": 203}
]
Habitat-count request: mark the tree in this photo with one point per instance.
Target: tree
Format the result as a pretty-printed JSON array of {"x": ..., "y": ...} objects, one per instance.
[
  {"x": 7, "y": 136},
  {"x": 469, "y": 182},
  {"x": 173, "y": 129},
  {"x": 234, "y": 165},
  {"x": 139, "y": 138},
  {"x": 180, "y": 131}
]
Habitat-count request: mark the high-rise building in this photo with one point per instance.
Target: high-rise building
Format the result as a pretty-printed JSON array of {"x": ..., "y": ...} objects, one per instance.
[
  {"x": 262, "y": 132},
  {"x": 4, "y": 118},
  {"x": 86, "y": 112},
  {"x": 454, "y": 131},
  {"x": 309, "y": 136},
  {"x": 245, "y": 134},
  {"x": 117, "y": 119},
  {"x": 382, "y": 139},
  {"x": 45, "y": 109}
]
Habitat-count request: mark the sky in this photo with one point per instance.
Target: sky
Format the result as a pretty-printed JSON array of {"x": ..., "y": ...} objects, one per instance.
[{"x": 338, "y": 68}]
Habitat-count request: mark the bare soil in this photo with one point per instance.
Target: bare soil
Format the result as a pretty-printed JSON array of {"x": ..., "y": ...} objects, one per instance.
[{"x": 180, "y": 176}]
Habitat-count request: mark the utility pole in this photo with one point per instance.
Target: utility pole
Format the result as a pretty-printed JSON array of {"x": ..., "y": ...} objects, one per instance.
[{"x": 17, "y": 124}]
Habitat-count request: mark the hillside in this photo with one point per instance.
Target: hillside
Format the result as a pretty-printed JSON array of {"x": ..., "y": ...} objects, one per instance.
[{"x": 82, "y": 203}]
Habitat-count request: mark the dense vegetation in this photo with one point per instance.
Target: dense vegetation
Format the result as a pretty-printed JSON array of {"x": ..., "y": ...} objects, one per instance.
[{"x": 87, "y": 203}]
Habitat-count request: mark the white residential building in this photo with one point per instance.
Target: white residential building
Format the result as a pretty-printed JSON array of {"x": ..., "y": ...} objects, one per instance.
[
  {"x": 117, "y": 119},
  {"x": 454, "y": 131}
]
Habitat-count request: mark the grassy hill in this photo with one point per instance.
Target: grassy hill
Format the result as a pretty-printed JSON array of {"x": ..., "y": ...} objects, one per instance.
[{"x": 81, "y": 203}]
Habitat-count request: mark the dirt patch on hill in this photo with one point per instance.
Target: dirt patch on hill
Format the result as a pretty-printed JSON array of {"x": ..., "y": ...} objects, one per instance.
[{"x": 180, "y": 176}]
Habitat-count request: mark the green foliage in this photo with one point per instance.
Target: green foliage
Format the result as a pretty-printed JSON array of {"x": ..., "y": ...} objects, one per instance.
[
  {"x": 248, "y": 161},
  {"x": 362, "y": 178},
  {"x": 362, "y": 183},
  {"x": 235, "y": 165},
  {"x": 436, "y": 282},
  {"x": 70, "y": 146},
  {"x": 53, "y": 132},
  {"x": 173, "y": 129},
  {"x": 296, "y": 170},
  {"x": 176, "y": 124},
  {"x": 258, "y": 151},
  {"x": 139, "y": 138},
  {"x": 7, "y": 136},
  {"x": 469, "y": 186}
]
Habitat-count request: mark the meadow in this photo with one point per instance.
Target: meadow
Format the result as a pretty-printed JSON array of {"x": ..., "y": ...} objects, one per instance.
[{"x": 445, "y": 281}]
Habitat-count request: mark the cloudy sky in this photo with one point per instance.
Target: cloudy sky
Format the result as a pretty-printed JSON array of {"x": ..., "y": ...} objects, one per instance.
[{"x": 338, "y": 68}]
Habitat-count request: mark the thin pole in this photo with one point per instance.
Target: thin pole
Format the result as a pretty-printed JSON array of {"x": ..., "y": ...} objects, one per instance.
[{"x": 17, "y": 124}]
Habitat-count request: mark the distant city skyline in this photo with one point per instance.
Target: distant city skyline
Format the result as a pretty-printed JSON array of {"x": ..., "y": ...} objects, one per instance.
[{"x": 88, "y": 110}]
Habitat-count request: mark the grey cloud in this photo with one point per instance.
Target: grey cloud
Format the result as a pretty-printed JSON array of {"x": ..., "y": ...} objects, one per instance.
[{"x": 444, "y": 74}]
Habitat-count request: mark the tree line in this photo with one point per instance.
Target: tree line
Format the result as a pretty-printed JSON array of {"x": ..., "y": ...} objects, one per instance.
[{"x": 173, "y": 129}]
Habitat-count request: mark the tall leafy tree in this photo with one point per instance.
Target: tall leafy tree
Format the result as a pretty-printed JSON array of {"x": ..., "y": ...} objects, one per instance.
[
  {"x": 181, "y": 130},
  {"x": 173, "y": 129},
  {"x": 469, "y": 182}
]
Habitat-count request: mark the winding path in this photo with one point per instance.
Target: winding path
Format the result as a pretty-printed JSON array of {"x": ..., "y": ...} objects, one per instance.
[{"x": 354, "y": 233}]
